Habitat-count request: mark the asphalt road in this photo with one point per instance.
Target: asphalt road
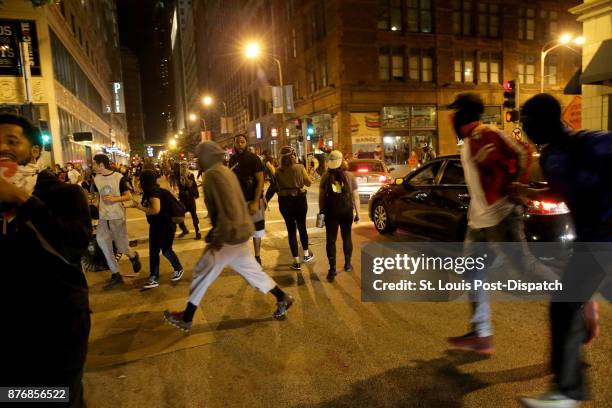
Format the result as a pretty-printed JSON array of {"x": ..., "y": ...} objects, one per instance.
[{"x": 332, "y": 351}]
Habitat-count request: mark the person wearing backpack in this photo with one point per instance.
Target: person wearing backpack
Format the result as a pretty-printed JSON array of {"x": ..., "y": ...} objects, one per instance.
[
  {"x": 338, "y": 198},
  {"x": 291, "y": 179},
  {"x": 188, "y": 192},
  {"x": 578, "y": 169},
  {"x": 159, "y": 205}
]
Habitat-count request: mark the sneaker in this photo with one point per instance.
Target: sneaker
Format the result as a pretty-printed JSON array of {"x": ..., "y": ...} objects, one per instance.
[
  {"x": 136, "y": 265},
  {"x": 296, "y": 266},
  {"x": 198, "y": 236},
  {"x": 471, "y": 342},
  {"x": 331, "y": 275},
  {"x": 282, "y": 307},
  {"x": 549, "y": 400},
  {"x": 176, "y": 320},
  {"x": 591, "y": 319},
  {"x": 176, "y": 276},
  {"x": 151, "y": 283},
  {"x": 258, "y": 259},
  {"x": 115, "y": 280},
  {"x": 182, "y": 234},
  {"x": 308, "y": 258},
  {"x": 348, "y": 268}
]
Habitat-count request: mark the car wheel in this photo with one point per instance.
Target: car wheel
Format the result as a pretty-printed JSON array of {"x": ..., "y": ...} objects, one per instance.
[{"x": 380, "y": 216}]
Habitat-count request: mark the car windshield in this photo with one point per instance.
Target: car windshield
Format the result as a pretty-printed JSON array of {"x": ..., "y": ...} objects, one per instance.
[{"x": 366, "y": 167}]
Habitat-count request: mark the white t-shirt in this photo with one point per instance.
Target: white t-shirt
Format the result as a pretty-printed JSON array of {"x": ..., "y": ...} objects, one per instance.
[
  {"x": 480, "y": 213},
  {"x": 112, "y": 184}
]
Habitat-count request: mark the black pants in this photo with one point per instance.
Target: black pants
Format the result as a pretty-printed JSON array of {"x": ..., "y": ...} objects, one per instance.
[
  {"x": 294, "y": 211},
  {"x": 332, "y": 222},
  {"x": 190, "y": 206}
]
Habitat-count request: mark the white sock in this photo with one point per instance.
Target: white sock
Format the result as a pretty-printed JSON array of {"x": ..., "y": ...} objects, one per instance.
[
  {"x": 296, "y": 259},
  {"x": 306, "y": 252}
]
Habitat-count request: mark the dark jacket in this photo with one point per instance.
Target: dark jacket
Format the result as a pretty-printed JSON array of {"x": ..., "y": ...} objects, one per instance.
[{"x": 44, "y": 292}]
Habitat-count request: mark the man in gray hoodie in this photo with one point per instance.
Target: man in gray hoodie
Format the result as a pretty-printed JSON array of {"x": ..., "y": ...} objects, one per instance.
[{"x": 227, "y": 241}]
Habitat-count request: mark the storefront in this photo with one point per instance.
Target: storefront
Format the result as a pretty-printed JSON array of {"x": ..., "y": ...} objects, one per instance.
[{"x": 408, "y": 129}]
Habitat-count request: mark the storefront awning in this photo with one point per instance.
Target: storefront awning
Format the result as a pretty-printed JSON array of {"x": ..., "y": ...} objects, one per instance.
[
  {"x": 574, "y": 87},
  {"x": 599, "y": 70}
]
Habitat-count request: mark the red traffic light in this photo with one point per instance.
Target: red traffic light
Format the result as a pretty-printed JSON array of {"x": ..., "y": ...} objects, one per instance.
[{"x": 508, "y": 85}]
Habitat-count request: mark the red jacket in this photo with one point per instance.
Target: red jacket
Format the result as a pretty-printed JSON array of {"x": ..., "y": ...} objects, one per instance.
[{"x": 507, "y": 162}]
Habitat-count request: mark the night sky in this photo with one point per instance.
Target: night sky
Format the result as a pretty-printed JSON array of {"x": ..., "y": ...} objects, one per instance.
[{"x": 136, "y": 26}]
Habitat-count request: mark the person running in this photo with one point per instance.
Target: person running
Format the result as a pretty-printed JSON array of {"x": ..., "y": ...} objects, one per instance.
[
  {"x": 45, "y": 230},
  {"x": 227, "y": 240},
  {"x": 113, "y": 192},
  {"x": 291, "y": 178},
  {"x": 156, "y": 202},
  {"x": 338, "y": 199},
  {"x": 577, "y": 166},
  {"x": 188, "y": 193},
  {"x": 491, "y": 163},
  {"x": 250, "y": 172}
]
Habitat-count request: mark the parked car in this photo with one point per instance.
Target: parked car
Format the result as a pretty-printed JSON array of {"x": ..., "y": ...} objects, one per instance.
[
  {"x": 433, "y": 201},
  {"x": 371, "y": 174}
]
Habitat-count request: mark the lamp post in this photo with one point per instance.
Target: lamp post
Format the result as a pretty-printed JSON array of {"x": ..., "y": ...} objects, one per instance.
[
  {"x": 562, "y": 41},
  {"x": 253, "y": 51}
]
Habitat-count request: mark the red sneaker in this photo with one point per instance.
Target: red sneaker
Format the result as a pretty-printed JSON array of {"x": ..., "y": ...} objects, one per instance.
[
  {"x": 471, "y": 342},
  {"x": 591, "y": 319}
]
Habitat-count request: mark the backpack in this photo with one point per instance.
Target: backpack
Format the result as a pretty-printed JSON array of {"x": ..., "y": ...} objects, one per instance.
[{"x": 177, "y": 210}]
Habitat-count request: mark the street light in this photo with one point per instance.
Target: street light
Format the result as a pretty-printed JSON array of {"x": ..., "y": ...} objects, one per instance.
[
  {"x": 562, "y": 41},
  {"x": 172, "y": 143},
  {"x": 252, "y": 50},
  {"x": 193, "y": 117},
  {"x": 207, "y": 100}
]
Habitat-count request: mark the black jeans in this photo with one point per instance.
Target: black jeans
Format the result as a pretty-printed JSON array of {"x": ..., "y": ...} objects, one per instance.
[
  {"x": 165, "y": 246},
  {"x": 294, "y": 211},
  {"x": 332, "y": 222},
  {"x": 190, "y": 206}
]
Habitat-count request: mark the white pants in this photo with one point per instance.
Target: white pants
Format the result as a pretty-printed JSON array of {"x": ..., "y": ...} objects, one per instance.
[
  {"x": 107, "y": 232},
  {"x": 239, "y": 258}
]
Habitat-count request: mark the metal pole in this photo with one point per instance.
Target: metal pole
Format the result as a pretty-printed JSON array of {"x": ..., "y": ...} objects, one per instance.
[
  {"x": 283, "y": 136},
  {"x": 25, "y": 68}
]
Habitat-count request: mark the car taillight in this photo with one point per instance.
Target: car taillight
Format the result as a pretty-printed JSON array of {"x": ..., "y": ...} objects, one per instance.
[
  {"x": 536, "y": 207},
  {"x": 382, "y": 179},
  {"x": 362, "y": 170}
]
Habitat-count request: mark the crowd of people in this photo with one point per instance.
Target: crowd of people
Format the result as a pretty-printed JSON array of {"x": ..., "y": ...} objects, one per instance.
[{"x": 47, "y": 225}]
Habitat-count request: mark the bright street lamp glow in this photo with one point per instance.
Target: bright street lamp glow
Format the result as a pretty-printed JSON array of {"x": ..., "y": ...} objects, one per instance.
[
  {"x": 176, "y": 136},
  {"x": 252, "y": 50},
  {"x": 172, "y": 143},
  {"x": 207, "y": 100},
  {"x": 579, "y": 40},
  {"x": 193, "y": 117},
  {"x": 180, "y": 132},
  {"x": 565, "y": 38}
]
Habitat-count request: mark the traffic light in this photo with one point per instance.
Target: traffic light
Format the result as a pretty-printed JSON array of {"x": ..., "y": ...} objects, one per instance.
[
  {"x": 309, "y": 128},
  {"x": 45, "y": 136},
  {"x": 510, "y": 94},
  {"x": 512, "y": 116},
  {"x": 298, "y": 123}
]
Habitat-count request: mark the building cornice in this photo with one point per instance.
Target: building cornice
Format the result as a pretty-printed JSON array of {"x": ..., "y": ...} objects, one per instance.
[{"x": 592, "y": 9}]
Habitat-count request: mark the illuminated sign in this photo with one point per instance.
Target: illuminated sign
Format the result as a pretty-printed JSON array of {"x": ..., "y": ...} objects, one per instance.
[
  {"x": 274, "y": 132},
  {"x": 118, "y": 101},
  {"x": 258, "y": 130},
  {"x": 150, "y": 151}
]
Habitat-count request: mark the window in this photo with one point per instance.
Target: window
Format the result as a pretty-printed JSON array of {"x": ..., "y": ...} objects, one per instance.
[
  {"x": 294, "y": 42},
  {"x": 488, "y": 20},
  {"x": 489, "y": 68},
  {"x": 550, "y": 70},
  {"x": 427, "y": 176},
  {"x": 464, "y": 67},
  {"x": 391, "y": 64},
  {"x": 550, "y": 24},
  {"x": 315, "y": 29},
  {"x": 462, "y": 17},
  {"x": 420, "y": 65},
  {"x": 419, "y": 16},
  {"x": 526, "y": 23},
  {"x": 322, "y": 74},
  {"x": 390, "y": 15},
  {"x": 453, "y": 173},
  {"x": 526, "y": 69}
]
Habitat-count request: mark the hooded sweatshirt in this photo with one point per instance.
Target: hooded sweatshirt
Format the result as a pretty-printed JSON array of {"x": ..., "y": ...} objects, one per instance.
[{"x": 229, "y": 216}]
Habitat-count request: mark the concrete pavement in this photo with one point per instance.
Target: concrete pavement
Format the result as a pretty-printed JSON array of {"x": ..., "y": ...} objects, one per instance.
[{"x": 332, "y": 351}]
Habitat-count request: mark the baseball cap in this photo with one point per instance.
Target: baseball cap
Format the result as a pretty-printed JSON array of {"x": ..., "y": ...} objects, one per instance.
[{"x": 335, "y": 159}]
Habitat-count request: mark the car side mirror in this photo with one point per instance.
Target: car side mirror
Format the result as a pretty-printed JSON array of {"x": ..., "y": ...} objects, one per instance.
[{"x": 399, "y": 181}]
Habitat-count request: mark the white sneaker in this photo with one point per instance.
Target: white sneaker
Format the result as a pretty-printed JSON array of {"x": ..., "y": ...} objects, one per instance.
[
  {"x": 151, "y": 283},
  {"x": 176, "y": 276},
  {"x": 552, "y": 399}
]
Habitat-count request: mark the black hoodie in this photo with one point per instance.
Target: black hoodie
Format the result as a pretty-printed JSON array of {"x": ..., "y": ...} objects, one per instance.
[{"x": 44, "y": 292}]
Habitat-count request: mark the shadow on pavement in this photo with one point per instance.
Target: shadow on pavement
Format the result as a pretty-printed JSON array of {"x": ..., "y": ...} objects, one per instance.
[{"x": 431, "y": 383}]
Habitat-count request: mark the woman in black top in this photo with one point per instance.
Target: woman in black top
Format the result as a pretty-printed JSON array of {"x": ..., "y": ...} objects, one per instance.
[
  {"x": 188, "y": 192},
  {"x": 291, "y": 179},
  {"x": 155, "y": 204}
]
